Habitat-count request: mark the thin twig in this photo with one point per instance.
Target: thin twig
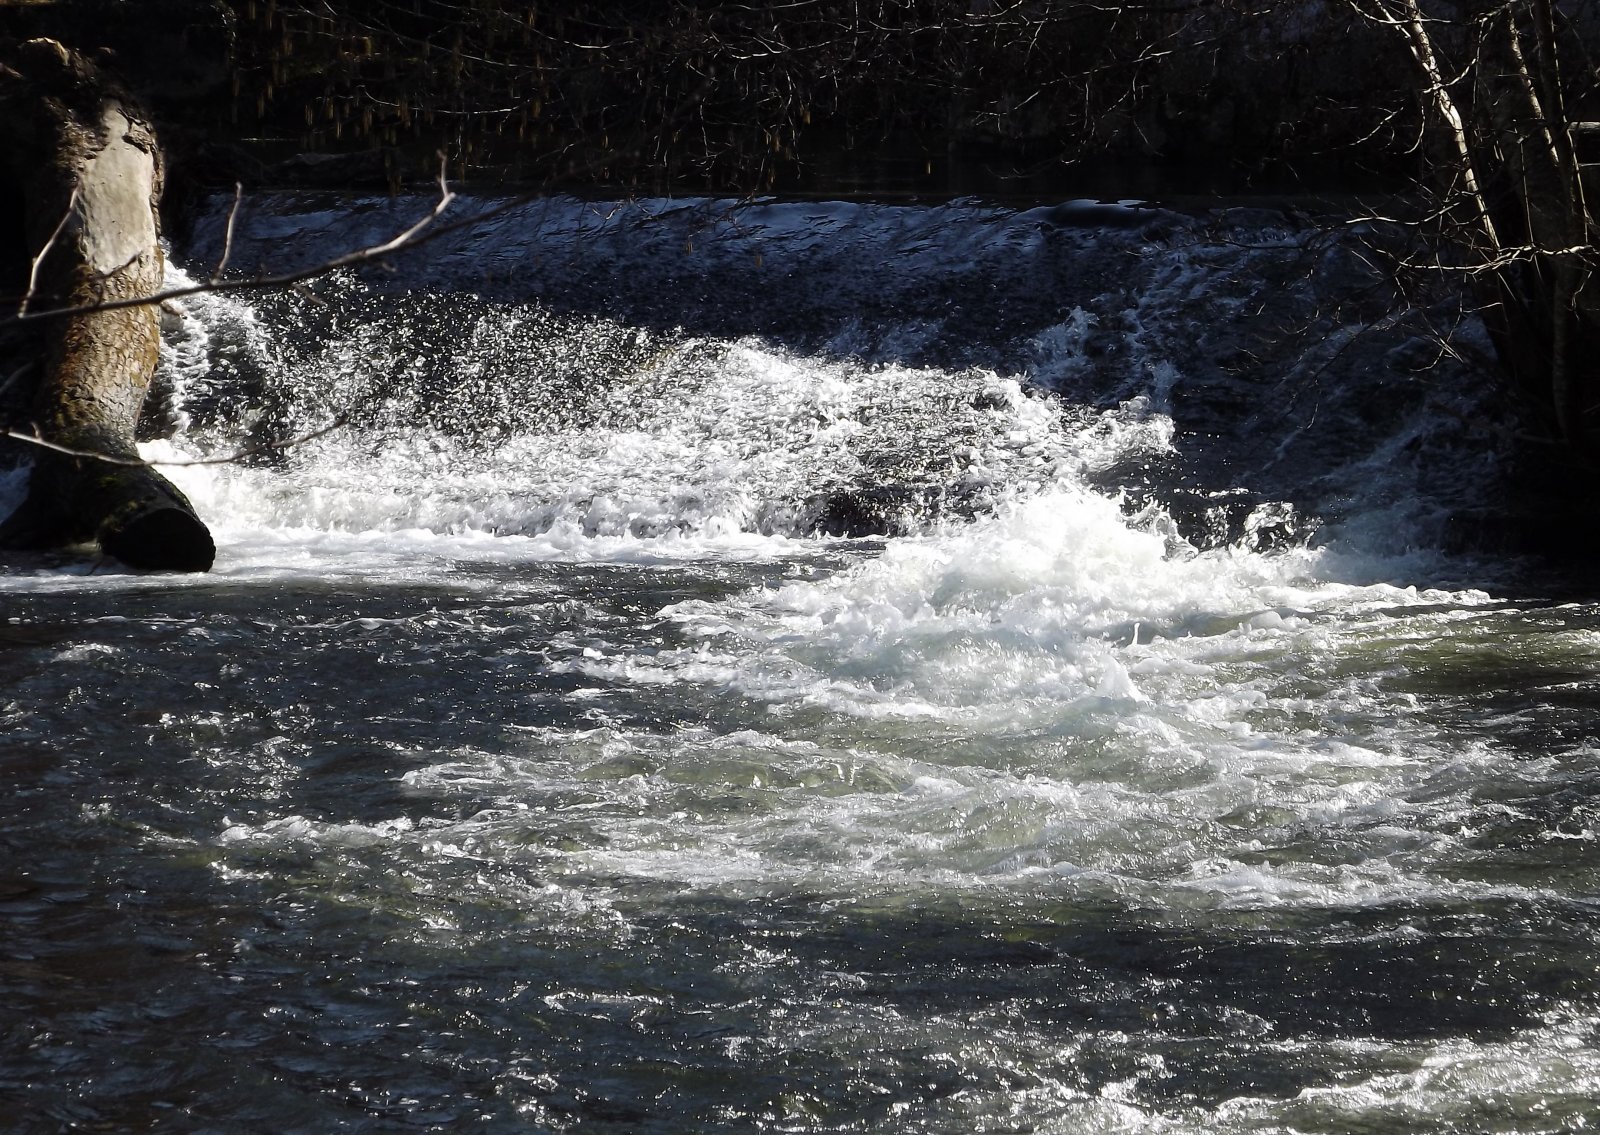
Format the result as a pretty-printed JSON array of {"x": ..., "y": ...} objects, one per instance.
[
  {"x": 140, "y": 463},
  {"x": 33, "y": 271},
  {"x": 227, "y": 236},
  {"x": 1438, "y": 87},
  {"x": 400, "y": 242}
]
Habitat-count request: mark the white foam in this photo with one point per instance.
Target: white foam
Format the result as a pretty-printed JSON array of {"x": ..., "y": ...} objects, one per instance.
[
  {"x": 720, "y": 448},
  {"x": 1035, "y": 685}
]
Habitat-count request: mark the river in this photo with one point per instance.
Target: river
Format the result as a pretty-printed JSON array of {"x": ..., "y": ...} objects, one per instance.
[{"x": 801, "y": 666}]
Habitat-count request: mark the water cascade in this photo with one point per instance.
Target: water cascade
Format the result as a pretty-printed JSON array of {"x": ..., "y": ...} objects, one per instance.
[{"x": 801, "y": 666}]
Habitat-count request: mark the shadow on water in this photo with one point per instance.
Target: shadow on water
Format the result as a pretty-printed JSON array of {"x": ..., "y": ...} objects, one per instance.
[{"x": 810, "y": 275}]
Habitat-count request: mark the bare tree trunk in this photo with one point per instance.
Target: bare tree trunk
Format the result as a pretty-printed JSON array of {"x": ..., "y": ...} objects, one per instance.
[{"x": 90, "y": 174}]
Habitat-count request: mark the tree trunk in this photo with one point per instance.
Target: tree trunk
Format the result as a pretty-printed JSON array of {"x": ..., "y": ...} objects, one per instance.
[
  {"x": 89, "y": 171},
  {"x": 1551, "y": 318}
]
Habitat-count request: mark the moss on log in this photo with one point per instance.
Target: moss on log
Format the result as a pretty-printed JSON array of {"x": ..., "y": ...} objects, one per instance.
[{"x": 89, "y": 170}]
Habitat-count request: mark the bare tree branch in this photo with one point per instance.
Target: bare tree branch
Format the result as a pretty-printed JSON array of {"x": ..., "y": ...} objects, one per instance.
[
  {"x": 227, "y": 237},
  {"x": 406, "y": 239},
  {"x": 229, "y": 459},
  {"x": 33, "y": 270}
]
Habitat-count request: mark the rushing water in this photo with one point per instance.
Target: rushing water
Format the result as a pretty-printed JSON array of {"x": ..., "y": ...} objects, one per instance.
[{"x": 806, "y": 667}]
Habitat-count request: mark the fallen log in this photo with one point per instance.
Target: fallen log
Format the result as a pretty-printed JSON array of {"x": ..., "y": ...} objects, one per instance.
[{"x": 85, "y": 160}]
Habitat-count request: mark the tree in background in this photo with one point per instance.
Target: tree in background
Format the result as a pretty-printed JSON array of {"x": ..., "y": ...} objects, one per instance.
[
  {"x": 736, "y": 96},
  {"x": 1510, "y": 96}
]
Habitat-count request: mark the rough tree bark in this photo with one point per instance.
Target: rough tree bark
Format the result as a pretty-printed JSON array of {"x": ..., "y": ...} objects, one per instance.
[{"x": 85, "y": 160}]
